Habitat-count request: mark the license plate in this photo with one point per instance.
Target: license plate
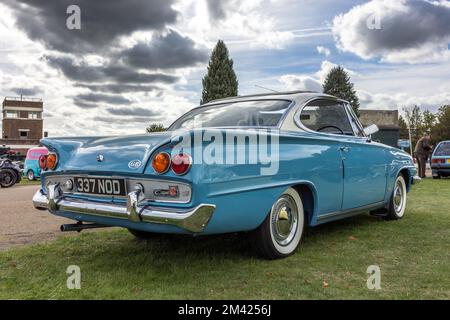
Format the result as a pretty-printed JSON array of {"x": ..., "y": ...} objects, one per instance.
[
  {"x": 100, "y": 186},
  {"x": 448, "y": 160}
]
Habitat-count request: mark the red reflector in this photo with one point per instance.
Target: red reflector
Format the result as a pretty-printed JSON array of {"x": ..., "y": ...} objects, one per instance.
[
  {"x": 181, "y": 163},
  {"x": 43, "y": 162},
  {"x": 437, "y": 160}
]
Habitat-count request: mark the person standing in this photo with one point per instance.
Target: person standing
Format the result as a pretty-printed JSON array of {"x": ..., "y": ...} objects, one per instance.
[{"x": 421, "y": 152}]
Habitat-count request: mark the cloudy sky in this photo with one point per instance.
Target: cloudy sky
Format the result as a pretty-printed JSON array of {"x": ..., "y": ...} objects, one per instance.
[{"x": 139, "y": 61}]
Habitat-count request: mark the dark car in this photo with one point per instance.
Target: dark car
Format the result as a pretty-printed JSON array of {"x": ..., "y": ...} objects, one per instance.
[
  {"x": 9, "y": 173},
  {"x": 440, "y": 160}
]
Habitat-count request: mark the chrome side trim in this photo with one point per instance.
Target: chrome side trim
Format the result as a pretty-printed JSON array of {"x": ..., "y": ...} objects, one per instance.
[{"x": 193, "y": 220}]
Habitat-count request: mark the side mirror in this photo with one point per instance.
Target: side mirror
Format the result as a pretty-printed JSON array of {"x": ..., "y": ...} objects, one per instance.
[{"x": 370, "y": 130}]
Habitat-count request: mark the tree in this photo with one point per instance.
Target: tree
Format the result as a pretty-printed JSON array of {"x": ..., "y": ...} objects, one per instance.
[
  {"x": 220, "y": 81},
  {"x": 441, "y": 131},
  {"x": 403, "y": 128},
  {"x": 337, "y": 83},
  {"x": 414, "y": 120},
  {"x": 155, "y": 127},
  {"x": 428, "y": 121}
]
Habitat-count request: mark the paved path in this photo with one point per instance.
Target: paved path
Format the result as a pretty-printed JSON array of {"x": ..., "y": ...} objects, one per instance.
[{"x": 20, "y": 223}]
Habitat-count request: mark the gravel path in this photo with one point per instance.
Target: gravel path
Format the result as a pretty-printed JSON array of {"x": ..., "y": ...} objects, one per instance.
[{"x": 20, "y": 223}]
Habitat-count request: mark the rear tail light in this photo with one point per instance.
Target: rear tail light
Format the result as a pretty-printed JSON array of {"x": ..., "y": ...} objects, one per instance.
[
  {"x": 43, "y": 162},
  {"x": 161, "y": 162},
  {"x": 441, "y": 161},
  {"x": 181, "y": 163},
  {"x": 52, "y": 161}
]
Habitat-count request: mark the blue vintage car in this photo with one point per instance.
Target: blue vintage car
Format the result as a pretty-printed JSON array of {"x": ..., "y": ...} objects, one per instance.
[{"x": 270, "y": 164}]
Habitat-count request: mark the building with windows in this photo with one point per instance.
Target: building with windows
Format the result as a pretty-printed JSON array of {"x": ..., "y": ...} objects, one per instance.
[{"x": 22, "y": 124}]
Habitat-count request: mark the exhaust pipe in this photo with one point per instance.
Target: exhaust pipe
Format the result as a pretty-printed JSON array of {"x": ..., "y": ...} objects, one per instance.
[{"x": 81, "y": 226}]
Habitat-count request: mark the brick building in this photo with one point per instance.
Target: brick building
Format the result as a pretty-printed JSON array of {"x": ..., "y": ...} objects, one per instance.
[{"x": 22, "y": 124}]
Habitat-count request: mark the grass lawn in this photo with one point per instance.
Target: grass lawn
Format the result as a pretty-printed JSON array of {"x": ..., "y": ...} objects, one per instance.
[
  {"x": 26, "y": 182},
  {"x": 413, "y": 254}
]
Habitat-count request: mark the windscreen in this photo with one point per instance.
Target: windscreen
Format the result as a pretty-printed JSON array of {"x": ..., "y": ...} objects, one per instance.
[{"x": 262, "y": 113}]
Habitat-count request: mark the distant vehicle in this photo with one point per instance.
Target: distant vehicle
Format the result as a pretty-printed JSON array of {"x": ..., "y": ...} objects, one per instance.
[
  {"x": 327, "y": 168},
  {"x": 31, "y": 169},
  {"x": 440, "y": 160},
  {"x": 9, "y": 173}
]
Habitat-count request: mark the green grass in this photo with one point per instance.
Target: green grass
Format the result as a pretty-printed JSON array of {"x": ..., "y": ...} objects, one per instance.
[
  {"x": 26, "y": 182},
  {"x": 413, "y": 254}
]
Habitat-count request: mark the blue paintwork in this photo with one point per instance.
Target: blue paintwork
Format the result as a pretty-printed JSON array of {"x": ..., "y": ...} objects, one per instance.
[
  {"x": 32, "y": 162},
  {"x": 243, "y": 197}
]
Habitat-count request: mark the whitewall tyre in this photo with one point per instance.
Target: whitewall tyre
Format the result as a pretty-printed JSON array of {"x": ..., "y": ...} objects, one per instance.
[
  {"x": 397, "y": 205},
  {"x": 281, "y": 232},
  {"x": 30, "y": 175}
]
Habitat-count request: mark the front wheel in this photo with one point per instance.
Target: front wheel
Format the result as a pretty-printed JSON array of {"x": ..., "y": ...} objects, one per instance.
[
  {"x": 281, "y": 232},
  {"x": 397, "y": 205}
]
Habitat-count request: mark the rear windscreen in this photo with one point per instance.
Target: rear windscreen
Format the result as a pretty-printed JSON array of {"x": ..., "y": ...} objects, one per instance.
[{"x": 443, "y": 149}]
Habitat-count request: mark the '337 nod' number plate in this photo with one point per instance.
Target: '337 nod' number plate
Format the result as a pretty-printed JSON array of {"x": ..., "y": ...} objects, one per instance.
[{"x": 100, "y": 186}]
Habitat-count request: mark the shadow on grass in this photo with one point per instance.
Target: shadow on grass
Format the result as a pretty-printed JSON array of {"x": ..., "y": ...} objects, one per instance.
[{"x": 234, "y": 246}]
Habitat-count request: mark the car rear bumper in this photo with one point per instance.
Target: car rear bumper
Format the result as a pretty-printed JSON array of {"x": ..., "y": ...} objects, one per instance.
[{"x": 193, "y": 220}]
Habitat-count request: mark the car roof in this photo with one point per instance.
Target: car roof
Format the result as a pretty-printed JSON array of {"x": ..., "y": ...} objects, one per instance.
[{"x": 297, "y": 96}]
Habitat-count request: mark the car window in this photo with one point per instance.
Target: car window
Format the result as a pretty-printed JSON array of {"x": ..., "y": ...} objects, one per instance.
[
  {"x": 265, "y": 113},
  {"x": 443, "y": 149},
  {"x": 326, "y": 116}
]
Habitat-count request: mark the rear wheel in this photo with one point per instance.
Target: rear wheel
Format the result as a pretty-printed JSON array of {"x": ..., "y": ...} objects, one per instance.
[
  {"x": 281, "y": 232},
  {"x": 437, "y": 177},
  {"x": 143, "y": 235},
  {"x": 7, "y": 178},
  {"x": 30, "y": 175},
  {"x": 397, "y": 205}
]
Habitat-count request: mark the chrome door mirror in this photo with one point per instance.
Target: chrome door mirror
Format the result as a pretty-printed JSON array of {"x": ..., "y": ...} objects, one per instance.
[{"x": 370, "y": 130}]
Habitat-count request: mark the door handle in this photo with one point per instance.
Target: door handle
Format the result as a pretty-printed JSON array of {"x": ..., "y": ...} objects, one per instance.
[{"x": 345, "y": 149}]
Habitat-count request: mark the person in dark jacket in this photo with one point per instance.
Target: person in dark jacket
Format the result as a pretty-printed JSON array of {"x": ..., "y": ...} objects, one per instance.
[{"x": 421, "y": 152}]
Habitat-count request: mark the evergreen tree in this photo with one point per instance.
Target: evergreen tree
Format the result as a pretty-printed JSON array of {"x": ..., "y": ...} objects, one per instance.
[
  {"x": 337, "y": 83},
  {"x": 155, "y": 127},
  {"x": 220, "y": 81}
]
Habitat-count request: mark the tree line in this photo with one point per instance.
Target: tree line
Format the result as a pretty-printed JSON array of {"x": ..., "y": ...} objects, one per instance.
[{"x": 425, "y": 122}]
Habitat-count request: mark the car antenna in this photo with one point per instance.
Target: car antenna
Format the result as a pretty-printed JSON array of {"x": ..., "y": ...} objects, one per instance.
[{"x": 266, "y": 88}]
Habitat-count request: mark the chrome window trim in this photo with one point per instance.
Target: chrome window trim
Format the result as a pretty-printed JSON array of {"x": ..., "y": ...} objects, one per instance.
[{"x": 304, "y": 128}]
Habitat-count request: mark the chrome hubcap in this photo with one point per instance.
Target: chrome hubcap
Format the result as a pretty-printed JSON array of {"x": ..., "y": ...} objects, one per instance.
[
  {"x": 284, "y": 220},
  {"x": 398, "y": 197}
]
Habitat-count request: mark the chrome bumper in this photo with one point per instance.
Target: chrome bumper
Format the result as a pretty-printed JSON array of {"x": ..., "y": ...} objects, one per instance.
[
  {"x": 416, "y": 179},
  {"x": 193, "y": 220}
]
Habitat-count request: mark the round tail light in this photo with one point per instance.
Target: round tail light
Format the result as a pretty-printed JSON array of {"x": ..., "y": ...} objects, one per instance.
[
  {"x": 52, "y": 161},
  {"x": 161, "y": 162},
  {"x": 43, "y": 162},
  {"x": 181, "y": 163}
]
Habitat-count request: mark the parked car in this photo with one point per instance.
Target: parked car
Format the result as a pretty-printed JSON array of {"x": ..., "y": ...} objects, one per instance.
[
  {"x": 31, "y": 169},
  {"x": 324, "y": 167},
  {"x": 10, "y": 173},
  {"x": 440, "y": 160}
]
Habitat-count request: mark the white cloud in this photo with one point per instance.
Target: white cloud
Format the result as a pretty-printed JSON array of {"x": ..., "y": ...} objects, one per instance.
[
  {"x": 323, "y": 50},
  {"x": 410, "y": 31}
]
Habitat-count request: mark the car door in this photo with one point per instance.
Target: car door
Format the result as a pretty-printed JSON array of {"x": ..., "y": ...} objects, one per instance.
[{"x": 365, "y": 168}]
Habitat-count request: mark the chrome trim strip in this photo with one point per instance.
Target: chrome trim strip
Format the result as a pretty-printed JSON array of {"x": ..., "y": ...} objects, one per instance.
[
  {"x": 193, "y": 220},
  {"x": 350, "y": 212}
]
